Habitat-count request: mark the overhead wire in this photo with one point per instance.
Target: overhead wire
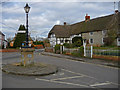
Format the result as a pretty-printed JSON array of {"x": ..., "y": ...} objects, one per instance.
[{"x": 8, "y": 26}]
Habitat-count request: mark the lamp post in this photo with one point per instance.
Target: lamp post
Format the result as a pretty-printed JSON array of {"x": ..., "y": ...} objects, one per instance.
[{"x": 27, "y": 9}]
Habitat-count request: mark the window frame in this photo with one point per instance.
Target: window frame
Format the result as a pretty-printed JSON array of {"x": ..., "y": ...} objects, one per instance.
[
  {"x": 91, "y": 33},
  {"x": 90, "y": 40}
]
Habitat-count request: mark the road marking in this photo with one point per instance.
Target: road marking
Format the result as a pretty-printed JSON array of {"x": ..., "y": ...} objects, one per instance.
[
  {"x": 61, "y": 73},
  {"x": 89, "y": 76},
  {"x": 68, "y": 83},
  {"x": 54, "y": 74},
  {"x": 67, "y": 78},
  {"x": 99, "y": 84},
  {"x": 71, "y": 72},
  {"x": 79, "y": 74},
  {"x": 113, "y": 83}
]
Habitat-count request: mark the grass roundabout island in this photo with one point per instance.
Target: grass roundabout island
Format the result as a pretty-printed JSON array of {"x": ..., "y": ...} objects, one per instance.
[{"x": 33, "y": 69}]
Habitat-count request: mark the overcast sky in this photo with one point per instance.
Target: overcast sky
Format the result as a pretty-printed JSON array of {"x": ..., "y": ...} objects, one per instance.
[{"x": 44, "y": 15}]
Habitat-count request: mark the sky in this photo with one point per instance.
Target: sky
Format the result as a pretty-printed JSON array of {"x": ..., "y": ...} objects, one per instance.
[{"x": 44, "y": 15}]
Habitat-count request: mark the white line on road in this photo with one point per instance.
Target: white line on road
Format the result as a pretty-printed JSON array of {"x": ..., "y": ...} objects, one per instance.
[
  {"x": 68, "y": 83},
  {"x": 78, "y": 73},
  {"x": 113, "y": 83},
  {"x": 99, "y": 84},
  {"x": 89, "y": 76},
  {"x": 61, "y": 73},
  {"x": 67, "y": 78},
  {"x": 72, "y": 72}
]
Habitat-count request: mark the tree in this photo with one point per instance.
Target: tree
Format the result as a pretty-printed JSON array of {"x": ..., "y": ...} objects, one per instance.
[
  {"x": 8, "y": 40},
  {"x": 77, "y": 41},
  {"x": 20, "y": 37},
  {"x": 110, "y": 37}
]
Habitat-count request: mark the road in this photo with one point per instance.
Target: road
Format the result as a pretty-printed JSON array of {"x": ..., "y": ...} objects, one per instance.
[{"x": 71, "y": 74}]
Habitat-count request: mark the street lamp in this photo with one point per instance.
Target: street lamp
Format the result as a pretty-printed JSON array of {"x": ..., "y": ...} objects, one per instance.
[{"x": 27, "y": 9}]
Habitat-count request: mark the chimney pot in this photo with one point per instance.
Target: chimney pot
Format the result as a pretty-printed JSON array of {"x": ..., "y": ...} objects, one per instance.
[{"x": 87, "y": 17}]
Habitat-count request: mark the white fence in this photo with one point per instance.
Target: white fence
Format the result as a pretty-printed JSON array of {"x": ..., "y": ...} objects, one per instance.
[{"x": 89, "y": 51}]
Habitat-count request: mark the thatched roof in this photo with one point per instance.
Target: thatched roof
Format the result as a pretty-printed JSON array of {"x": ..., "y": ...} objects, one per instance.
[
  {"x": 2, "y": 33},
  {"x": 60, "y": 31},
  {"x": 109, "y": 22}
]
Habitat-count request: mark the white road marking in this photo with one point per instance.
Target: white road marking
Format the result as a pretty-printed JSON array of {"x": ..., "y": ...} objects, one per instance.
[
  {"x": 71, "y": 72},
  {"x": 61, "y": 73},
  {"x": 54, "y": 74},
  {"x": 88, "y": 76},
  {"x": 68, "y": 83},
  {"x": 78, "y": 73},
  {"x": 67, "y": 78},
  {"x": 113, "y": 83},
  {"x": 99, "y": 84}
]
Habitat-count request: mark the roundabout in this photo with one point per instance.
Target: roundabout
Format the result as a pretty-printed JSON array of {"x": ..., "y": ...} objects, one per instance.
[{"x": 35, "y": 69}]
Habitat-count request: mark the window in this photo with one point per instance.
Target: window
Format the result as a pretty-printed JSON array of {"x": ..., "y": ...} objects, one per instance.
[
  {"x": 103, "y": 40},
  {"x": 104, "y": 32},
  {"x": 61, "y": 41},
  {"x": 91, "y": 41},
  {"x": 91, "y": 33},
  {"x": 84, "y": 40}
]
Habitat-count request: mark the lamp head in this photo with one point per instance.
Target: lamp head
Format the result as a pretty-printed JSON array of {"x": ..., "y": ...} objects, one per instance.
[{"x": 27, "y": 8}]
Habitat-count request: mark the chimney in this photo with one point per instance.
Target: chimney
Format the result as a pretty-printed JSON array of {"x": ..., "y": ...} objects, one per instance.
[
  {"x": 64, "y": 23},
  {"x": 87, "y": 18}
]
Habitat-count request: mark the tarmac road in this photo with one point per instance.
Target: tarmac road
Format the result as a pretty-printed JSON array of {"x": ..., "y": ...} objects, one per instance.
[{"x": 71, "y": 74}]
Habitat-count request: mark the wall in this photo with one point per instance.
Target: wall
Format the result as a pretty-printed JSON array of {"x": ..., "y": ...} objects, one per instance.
[
  {"x": 52, "y": 40},
  {"x": 2, "y": 38},
  {"x": 97, "y": 37}
]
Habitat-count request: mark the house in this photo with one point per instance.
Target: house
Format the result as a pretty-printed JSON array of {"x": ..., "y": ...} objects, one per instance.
[
  {"x": 61, "y": 34},
  {"x": 93, "y": 31},
  {"x": 3, "y": 42}
]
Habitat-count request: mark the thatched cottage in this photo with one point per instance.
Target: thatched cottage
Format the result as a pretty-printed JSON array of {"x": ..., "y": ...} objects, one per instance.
[{"x": 93, "y": 31}]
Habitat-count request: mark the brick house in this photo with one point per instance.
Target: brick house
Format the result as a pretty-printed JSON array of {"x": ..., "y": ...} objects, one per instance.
[
  {"x": 3, "y": 42},
  {"x": 92, "y": 31}
]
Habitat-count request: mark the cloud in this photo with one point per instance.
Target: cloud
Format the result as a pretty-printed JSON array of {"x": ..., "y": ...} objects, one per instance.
[{"x": 44, "y": 15}]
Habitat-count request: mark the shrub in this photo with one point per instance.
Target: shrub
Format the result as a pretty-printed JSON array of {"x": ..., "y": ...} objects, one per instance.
[
  {"x": 77, "y": 41},
  {"x": 57, "y": 48},
  {"x": 81, "y": 51},
  {"x": 68, "y": 45},
  {"x": 76, "y": 54}
]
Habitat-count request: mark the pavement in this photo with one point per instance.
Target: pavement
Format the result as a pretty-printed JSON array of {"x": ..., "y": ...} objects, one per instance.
[{"x": 89, "y": 60}]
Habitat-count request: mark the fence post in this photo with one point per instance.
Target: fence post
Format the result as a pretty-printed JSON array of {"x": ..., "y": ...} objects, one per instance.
[
  {"x": 60, "y": 50},
  {"x": 63, "y": 48},
  {"x": 84, "y": 50},
  {"x": 91, "y": 51}
]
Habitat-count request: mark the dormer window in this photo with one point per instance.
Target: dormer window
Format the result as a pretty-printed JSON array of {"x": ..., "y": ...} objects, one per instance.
[{"x": 91, "y": 33}]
